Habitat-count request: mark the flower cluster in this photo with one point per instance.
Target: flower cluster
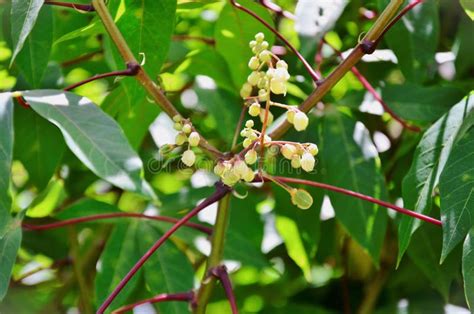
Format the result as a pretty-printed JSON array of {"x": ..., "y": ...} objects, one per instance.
[
  {"x": 236, "y": 169},
  {"x": 251, "y": 134},
  {"x": 186, "y": 135},
  {"x": 265, "y": 79},
  {"x": 301, "y": 155}
]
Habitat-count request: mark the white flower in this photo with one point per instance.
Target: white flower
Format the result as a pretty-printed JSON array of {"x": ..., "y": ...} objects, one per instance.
[
  {"x": 307, "y": 162},
  {"x": 300, "y": 121},
  {"x": 194, "y": 139},
  {"x": 188, "y": 158}
]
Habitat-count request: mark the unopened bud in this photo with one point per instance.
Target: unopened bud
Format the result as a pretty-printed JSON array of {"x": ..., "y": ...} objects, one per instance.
[
  {"x": 300, "y": 121},
  {"x": 259, "y": 37},
  {"x": 254, "y": 109},
  {"x": 249, "y": 175},
  {"x": 188, "y": 158},
  {"x": 249, "y": 124},
  {"x": 194, "y": 139},
  {"x": 254, "y": 63},
  {"x": 187, "y": 128},
  {"x": 313, "y": 149},
  {"x": 307, "y": 162},
  {"x": 301, "y": 198},
  {"x": 180, "y": 138},
  {"x": 251, "y": 157},
  {"x": 288, "y": 151}
]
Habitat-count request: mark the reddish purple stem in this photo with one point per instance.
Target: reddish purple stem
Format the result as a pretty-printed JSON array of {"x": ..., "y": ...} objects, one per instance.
[
  {"x": 221, "y": 273},
  {"x": 220, "y": 192},
  {"x": 184, "y": 297},
  {"x": 79, "y": 220},
  {"x": 362, "y": 197},
  {"x": 132, "y": 70},
  {"x": 80, "y": 7}
]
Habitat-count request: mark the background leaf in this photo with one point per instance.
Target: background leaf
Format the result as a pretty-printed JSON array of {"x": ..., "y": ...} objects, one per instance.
[
  {"x": 167, "y": 271},
  {"x": 118, "y": 257},
  {"x": 93, "y": 137},
  {"x": 9, "y": 245},
  {"x": 414, "y": 41},
  {"x": 6, "y": 154},
  {"x": 24, "y": 14},
  {"x": 428, "y": 163},
  {"x": 468, "y": 268},
  {"x": 38, "y": 145},
  {"x": 456, "y": 186},
  {"x": 350, "y": 161},
  {"x": 234, "y": 30},
  {"x": 33, "y": 58}
]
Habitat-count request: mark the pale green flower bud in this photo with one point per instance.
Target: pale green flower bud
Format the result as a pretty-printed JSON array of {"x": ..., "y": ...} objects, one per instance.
[
  {"x": 252, "y": 44},
  {"x": 230, "y": 178},
  {"x": 247, "y": 142},
  {"x": 187, "y": 128},
  {"x": 194, "y": 139},
  {"x": 219, "y": 169},
  {"x": 253, "y": 78},
  {"x": 249, "y": 124},
  {"x": 189, "y": 158},
  {"x": 288, "y": 151},
  {"x": 251, "y": 157},
  {"x": 259, "y": 37},
  {"x": 281, "y": 64},
  {"x": 240, "y": 168},
  {"x": 278, "y": 87},
  {"x": 254, "y": 109},
  {"x": 295, "y": 161},
  {"x": 177, "y": 118},
  {"x": 254, "y": 63},
  {"x": 265, "y": 56},
  {"x": 246, "y": 90},
  {"x": 180, "y": 139},
  {"x": 300, "y": 121},
  {"x": 313, "y": 149},
  {"x": 178, "y": 126},
  {"x": 249, "y": 175},
  {"x": 301, "y": 198},
  {"x": 263, "y": 95},
  {"x": 307, "y": 162}
]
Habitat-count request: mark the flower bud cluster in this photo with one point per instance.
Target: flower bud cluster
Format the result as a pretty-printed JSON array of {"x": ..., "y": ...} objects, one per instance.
[
  {"x": 301, "y": 155},
  {"x": 236, "y": 169},
  {"x": 186, "y": 135},
  {"x": 250, "y": 134}
]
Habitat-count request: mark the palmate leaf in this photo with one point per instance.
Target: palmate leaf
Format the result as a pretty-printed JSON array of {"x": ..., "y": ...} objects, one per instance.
[
  {"x": 456, "y": 186},
  {"x": 350, "y": 161},
  {"x": 93, "y": 137},
  {"x": 23, "y": 18},
  {"x": 234, "y": 30},
  {"x": 428, "y": 163}
]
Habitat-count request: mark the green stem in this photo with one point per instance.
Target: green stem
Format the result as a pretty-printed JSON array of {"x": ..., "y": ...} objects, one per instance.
[
  {"x": 327, "y": 84},
  {"x": 145, "y": 80},
  {"x": 215, "y": 258}
]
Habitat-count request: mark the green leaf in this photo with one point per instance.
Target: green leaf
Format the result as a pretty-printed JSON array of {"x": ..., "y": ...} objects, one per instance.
[
  {"x": 468, "y": 6},
  {"x": 245, "y": 232},
  {"x": 468, "y": 268},
  {"x": 425, "y": 251},
  {"x": 48, "y": 200},
  {"x": 350, "y": 161},
  {"x": 9, "y": 245},
  {"x": 23, "y": 18},
  {"x": 208, "y": 62},
  {"x": 167, "y": 271},
  {"x": 93, "y": 137},
  {"x": 119, "y": 256},
  {"x": 419, "y": 103},
  {"x": 223, "y": 106},
  {"x": 38, "y": 145},
  {"x": 234, "y": 30},
  {"x": 428, "y": 163},
  {"x": 33, "y": 58},
  {"x": 147, "y": 26},
  {"x": 6, "y": 152},
  {"x": 414, "y": 40},
  {"x": 456, "y": 186},
  {"x": 86, "y": 207}
]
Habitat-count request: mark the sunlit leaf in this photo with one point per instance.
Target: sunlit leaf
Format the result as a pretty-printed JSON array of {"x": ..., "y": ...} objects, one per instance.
[
  {"x": 6, "y": 154},
  {"x": 468, "y": 268}
]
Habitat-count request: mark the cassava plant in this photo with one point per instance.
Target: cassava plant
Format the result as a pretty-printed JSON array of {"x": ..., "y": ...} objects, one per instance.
[{"x": 179, "y": 156}]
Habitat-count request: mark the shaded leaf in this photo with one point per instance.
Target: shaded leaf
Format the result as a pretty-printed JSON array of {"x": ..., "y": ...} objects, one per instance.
[
  {"x": 428, "y": 163},
  {"x": 456, "y": 187},
  {"x": 167, "y": 271},
  {"x": 414, "y": 40},
  {"x": 468, "y": 6},
  {"x": 419, "y": 103},
  {"x": 33, "y": 58},
  {"x": 468, "y": 268},
  {"x": 86, "y": 207},
  {"x": 6, "y": 152},
  {"x": 9, "y": 245},
  {"x": 23, "y": 18},
  {"x": 38, "y": 145},
  {"x": 350, "y": 161},
  {"x": 93, "y": 137},
  {"x": 118, "y": 257},
  {"x": 234, "y": 30},
  {"x": 147, "y": 26}
]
